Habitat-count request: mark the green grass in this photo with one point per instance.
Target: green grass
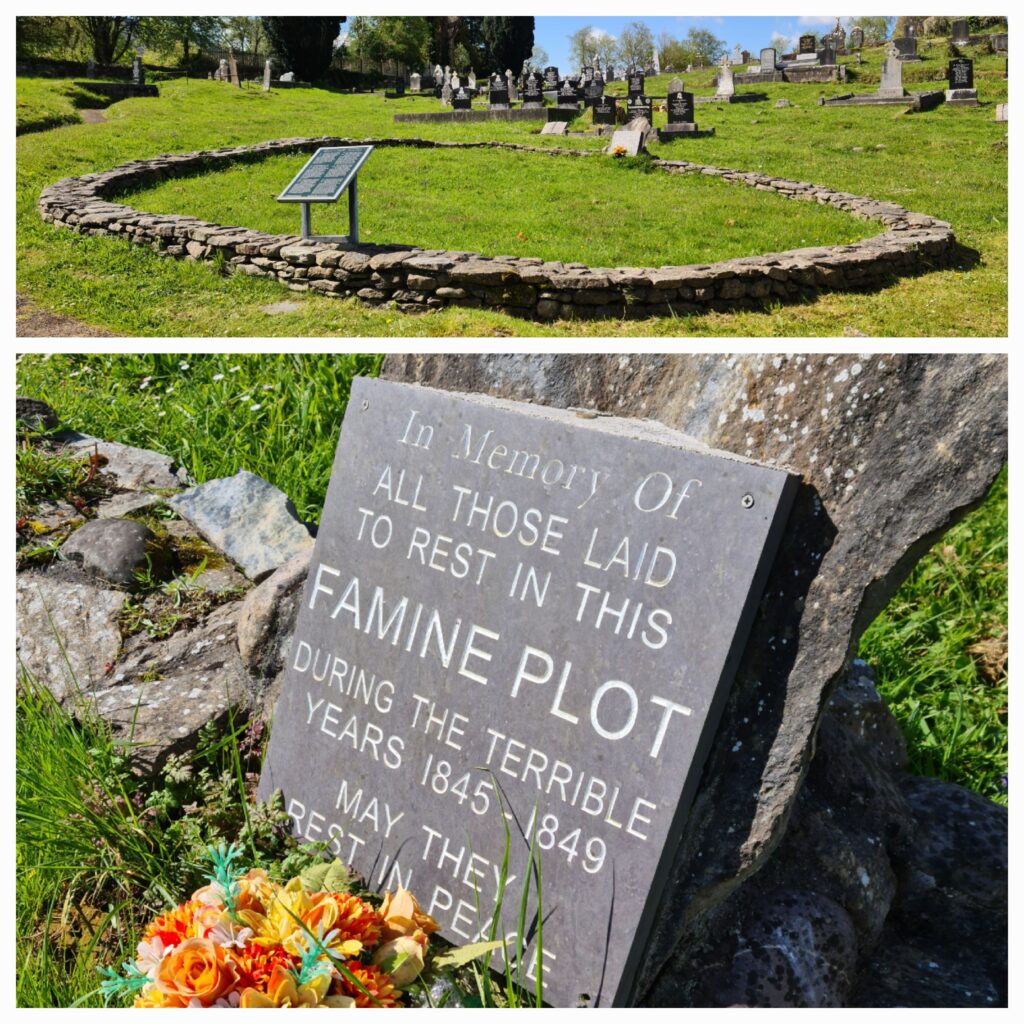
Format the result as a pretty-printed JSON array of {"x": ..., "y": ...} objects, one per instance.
[
  {"x": 47, "y": 103},
  {"x": 618, "y": 220},
  {"x": 950, "y": 163},
  {"x": 940, "y": 650}
]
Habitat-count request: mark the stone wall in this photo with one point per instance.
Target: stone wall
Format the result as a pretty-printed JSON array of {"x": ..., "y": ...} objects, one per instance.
[
  {"x": 457, "y": 116},
  {"x": 417, "y": 279}
]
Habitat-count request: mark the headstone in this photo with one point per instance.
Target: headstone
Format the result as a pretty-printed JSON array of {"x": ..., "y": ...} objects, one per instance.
[
  {"x": 551, "y": 78},
  {"x": 892, "y": 73},
  {"x": 533, "y": 91},
  {"x": 1002, "y": 112},
  {"x": 655, "y": 62},
  {"x": 745, "y": 57},
  {"x": 635, "y": 84},
  {"x": 642, "y": 106},
  {"x": 768, "y": 59},
  {"x": 726, "y": 86},
  {"x": 233, "y": 70},
  {"x": 609, "y": 73},
  {"x": 472, "y": 79},
  {"x": 593, "y": 92},
  {"x": 857, "y": 38},
  {"x": 399, "y": 86},
  {"x": 588, "y": 75},
  {"x": 462, "y": 101},
  {"x": 438, "y": 75},
  {"x": 838, "y": 36},
  {"x": 555, "y": 128},
  {"x": 498, "y": 92},
  {"x": 679, "y": 108},
  {"x": 960, "y": 76},
  {"x": 138, "y": 76},
  {"x": 808, "y": 44},
  {"x": 906, "y": 47},
  {"x": 500, "y": 586},
  {"x": 961, "y": 32},
  {"x": 456, "y": 82},
  {"x": 737, "y": 54},
  {"x": 827, "y": 55},
  {"x": 446, "y": 94},
  {"x": 510, "y": 86},
  {"x": 288, "y": 76},
  {"x": 221, "y": 74},
  {"x": 605, "y": 110},
  {"x": 1001, "y": 42},
  {"x": 266, "y": 76},
  {"x": 414, "y": 82}
]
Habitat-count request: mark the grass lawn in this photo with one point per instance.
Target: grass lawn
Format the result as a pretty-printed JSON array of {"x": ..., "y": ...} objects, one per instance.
[
  {"x": 47, "y": 103},
  {"x": 950, "y": 163},
  {"x": 99, "y": 852}
]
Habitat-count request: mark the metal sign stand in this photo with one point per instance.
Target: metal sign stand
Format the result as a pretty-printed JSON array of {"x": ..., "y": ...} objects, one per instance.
[{"x": 353, "y": 219}]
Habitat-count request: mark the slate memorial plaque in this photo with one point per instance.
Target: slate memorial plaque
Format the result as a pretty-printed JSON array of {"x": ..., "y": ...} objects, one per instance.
[
  {"x": 961, "y": 73},
  {"x": 604, "y": 110},
  {"x": 635, "y": 85},
  {"x": 551, "y": 77},
  {"x": 326, "y": 174},
  {"x": 460, "y": 101},
  {"x": 679, "y": 105},
  {"x": 808, "y": 44},
  {"x": 642, "y": 106},
  {"x": 510, "y": 594},
  {"x": 533, "y": 91}
]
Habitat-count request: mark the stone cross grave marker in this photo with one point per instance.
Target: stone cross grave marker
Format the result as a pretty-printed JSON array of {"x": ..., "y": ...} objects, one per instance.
[
  {"x": 605, "y": 109},
  {"x": 892, "y": 73},
  {"x": 510, "y": 84},
  {"x": 726, "y": 85},
  {"x": 517, "y": 610},
  {"x": 737, "y": 54}
]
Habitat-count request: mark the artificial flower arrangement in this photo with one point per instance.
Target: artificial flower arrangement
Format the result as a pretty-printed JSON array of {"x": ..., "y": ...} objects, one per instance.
[{"x": 245, "y": 941}]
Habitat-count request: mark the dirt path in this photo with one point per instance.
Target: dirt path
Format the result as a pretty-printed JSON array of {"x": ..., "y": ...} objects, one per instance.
[
  {"x": 32, "y": 321},
  {"x": 93, "y": 116}
]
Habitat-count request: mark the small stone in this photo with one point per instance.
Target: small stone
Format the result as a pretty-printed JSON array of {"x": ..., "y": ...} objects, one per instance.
[
  {"x": 116, "y": 550},
  {"x": 285, "y": 306},
  {"x": 134, "y": 469},
  {"x": 779, "y": 104}
]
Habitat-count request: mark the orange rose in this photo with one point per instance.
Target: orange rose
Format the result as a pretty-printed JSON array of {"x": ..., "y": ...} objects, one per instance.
[
  {"x": 196, "y": 969},
  {"x": 403, "y": 916}
]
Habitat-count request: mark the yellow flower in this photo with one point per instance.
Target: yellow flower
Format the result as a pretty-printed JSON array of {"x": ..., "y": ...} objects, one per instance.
[
  {"x": 408, "y": 970},
  {"x": 282, "y": 991},
  {"x": 403, "y": 916}
]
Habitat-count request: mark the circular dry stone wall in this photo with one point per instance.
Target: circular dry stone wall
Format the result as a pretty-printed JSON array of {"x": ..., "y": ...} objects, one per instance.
[{"x": 417, "y": 279}]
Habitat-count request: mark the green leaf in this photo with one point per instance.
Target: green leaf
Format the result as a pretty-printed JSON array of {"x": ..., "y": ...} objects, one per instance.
[
  {"x": 332, "y": 877},
  {"x": 462, "y": 955}
]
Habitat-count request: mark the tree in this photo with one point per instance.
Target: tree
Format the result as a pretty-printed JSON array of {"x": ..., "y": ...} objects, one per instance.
[
  {"x": 588, "y": 44},
  {"x": 398, "y": 40},
  {"x": 172, "y": 35},
  {"x": 245, "y": 34},
  {"x": 635, "y": 46},
  {"x": 780, "y": 44},
  {"x": 54, "y": 38},
  {"x": 449, "y": 33},
  {"x": 303, "y": 45},
  {"x": 108, "y": 38},
  {"x": 539, "y": 58},
  {"x": 509, "y": 41},
  {"x": 876, "y": 29},
  {"x": 706, "y": 47}
]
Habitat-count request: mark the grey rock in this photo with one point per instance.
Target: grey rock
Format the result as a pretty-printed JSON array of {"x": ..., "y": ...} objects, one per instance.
[
  {"x": 781, "y": 104},
  {"x": 34, "y": 415},
  {"x": 125, "y": 504},
  {"x": 67, "y": 633},
  {"x": 267, "y": 619},
  {"x": 162, "y": 692},
  {"x": 247, "y": 518},
  {"x": 896, "y": 449},
  {"x": 221, "y": 579},
  {"x": 135, "y": 469},
  {"x": 115, "y": 550}
]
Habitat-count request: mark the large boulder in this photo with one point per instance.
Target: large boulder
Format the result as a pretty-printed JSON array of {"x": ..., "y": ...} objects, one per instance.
[{"x": 893, "y": 449}]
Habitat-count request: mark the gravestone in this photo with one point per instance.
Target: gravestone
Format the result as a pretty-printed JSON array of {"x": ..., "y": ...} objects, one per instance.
[
  {"x": 438, "y": 75},
  {"x": 1003, "y": 112},
  {"x": 510, "y": 85},
  {"x": 593, "y": 92},
  {"x": 446, "y": 94},
  {"x": 745, "y": 57},
  {"x": 642, "y": 106},
  {"x": 906, "y": 48},
  {"x": 769, "y": 58},
  {"x": 838, "y": 36},
  {"x": 221, "y": 74},
  {"x": 635, "y": 84},
  {"x": 960, "y": 76},
  {"x": 555, "y": 128},
  {"x": 737, "y": 55},
  {"x": 559, "y": 600},
  {"x": 679, "y": 111},
  {"x": 472, "y": 81},
  {"x": 399, "y": 86},
  {"x": 233, "y": 70},
  {"x": 266, "y": 76},
  {"x": 551, "y": 77},
  {"x": 1001, "y": 42},
  {"x": 455, "y": 82},
  {"x": 587, "y": 74},
  {"x": 566, "y": 107},
  {"x": 498, "y": 92},
  {"x": 808, "y": 45},
  {"x": 857, "y": 38},
  {"x": 892, "y": 73},
  {"x": 827, "y": 55},
  {"x": 961, "y": 32},
  {"x": 609, "y": 74},
  {"x": 533, "y": 91},
  {"x": 726, "y": 87},
  {"x": 414, "y": 82},
  {"x": 462, "y": 101},
  {"x": 138, "y": 75},
  {"x": 605, "y": 110}
]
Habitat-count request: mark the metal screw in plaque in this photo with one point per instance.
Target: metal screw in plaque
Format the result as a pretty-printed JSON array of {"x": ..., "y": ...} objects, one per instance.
[{"x": 327, "y": 174}]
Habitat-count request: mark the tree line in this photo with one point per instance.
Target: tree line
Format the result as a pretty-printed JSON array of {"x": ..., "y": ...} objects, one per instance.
[{"x": 308, "y": 46}]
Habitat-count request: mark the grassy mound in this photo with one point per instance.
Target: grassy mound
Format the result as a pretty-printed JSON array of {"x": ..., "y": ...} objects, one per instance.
[{"x": 600, "y": 212}]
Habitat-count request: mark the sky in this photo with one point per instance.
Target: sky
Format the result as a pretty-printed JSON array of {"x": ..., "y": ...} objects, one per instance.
[{"x": 752, "y": 33}]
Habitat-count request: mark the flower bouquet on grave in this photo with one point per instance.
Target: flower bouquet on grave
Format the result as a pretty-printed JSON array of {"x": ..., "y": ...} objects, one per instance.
[{"x": 246, "y": 941}]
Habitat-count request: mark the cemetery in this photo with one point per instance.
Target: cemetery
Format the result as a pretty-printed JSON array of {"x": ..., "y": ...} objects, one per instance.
[
  {"x": 538, "y": 679},
  {"x": 894, "y": 230}
]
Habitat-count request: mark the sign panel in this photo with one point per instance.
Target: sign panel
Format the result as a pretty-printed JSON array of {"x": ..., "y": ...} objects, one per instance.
[
  {"x": 519, "y": 614},
  {"x": 326, "y": 174}
]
